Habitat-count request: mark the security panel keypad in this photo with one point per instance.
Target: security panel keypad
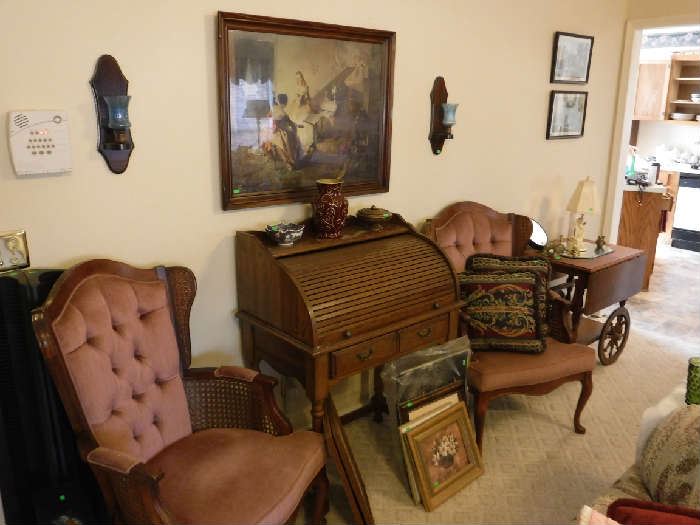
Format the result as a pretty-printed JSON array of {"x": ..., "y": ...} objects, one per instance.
[{"x": 39, "y": 142}]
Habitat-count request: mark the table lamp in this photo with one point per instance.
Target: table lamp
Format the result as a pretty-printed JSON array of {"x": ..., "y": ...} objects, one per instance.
[{"x": 582, "y": 201}]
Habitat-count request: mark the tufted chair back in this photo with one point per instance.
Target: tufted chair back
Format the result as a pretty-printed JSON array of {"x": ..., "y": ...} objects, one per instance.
[
  {"x": 465, "y": 228},
  {"x": 111, "y": 344}
]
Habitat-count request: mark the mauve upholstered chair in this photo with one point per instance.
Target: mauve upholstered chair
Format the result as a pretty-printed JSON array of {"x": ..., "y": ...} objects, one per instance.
[
  {"x": 168, "y": 443},
  {"x": 465, "y": 228}
]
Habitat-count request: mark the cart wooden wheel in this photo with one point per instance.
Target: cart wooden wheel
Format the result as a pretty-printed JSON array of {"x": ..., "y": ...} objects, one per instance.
[{"x": 613, "y": 336}]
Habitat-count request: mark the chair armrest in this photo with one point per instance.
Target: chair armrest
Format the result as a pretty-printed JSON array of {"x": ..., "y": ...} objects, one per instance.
[
  {"x": 233, "y": 397},
  {"x": 131, "y": 484}
]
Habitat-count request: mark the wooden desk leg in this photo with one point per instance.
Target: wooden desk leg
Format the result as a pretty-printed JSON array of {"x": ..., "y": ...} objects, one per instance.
[
  {"x": 379, "y": 404},
  {"x": 580, "y": 285},
  {"x": 317, "y": 389},
  {"x": 248, "y": 346}
]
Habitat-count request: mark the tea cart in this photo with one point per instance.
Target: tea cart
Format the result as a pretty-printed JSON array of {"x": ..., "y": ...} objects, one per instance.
[{"x": 596, "y": 283}]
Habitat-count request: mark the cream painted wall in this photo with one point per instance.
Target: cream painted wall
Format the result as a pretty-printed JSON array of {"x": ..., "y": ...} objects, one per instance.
[
  {"x": 662, "y": 8},
  {"x": 495, "y": 57}
]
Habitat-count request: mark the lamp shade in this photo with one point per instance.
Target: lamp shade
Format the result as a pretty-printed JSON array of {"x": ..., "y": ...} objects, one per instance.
[{"x": 584, "y": 199}]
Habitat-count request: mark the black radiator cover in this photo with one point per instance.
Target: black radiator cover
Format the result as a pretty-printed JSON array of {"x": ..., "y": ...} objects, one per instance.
[{"x": 42, "y": 478}]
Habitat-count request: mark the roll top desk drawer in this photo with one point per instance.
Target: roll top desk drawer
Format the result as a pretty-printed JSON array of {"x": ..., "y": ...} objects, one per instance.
[
  {"x": 362, "y": 355},
  {"x": 421, "y": 335}
]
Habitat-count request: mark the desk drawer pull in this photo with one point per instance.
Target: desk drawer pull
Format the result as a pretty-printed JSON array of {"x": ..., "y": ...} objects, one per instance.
[
  {"x": 364, "y": 356},
  {"x": 348, "y": 334},
  {"x": 426, "y": 332},
  {"x": 436, "y": 305}
]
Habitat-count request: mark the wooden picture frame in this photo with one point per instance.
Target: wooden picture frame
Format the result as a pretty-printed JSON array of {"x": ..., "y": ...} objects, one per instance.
[
  {"x": 414, "y": 406},
  {"x": 339, "y": 450},
  {"x": 444, "y": 454},
  {"x": 571, "y": 58},
  {"x": 301, "y": 101},
  {"x": 566, "y": 117}
]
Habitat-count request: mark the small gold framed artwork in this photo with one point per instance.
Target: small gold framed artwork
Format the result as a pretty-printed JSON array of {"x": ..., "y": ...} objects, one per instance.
[
  {"x": 13, "y": 251},
  {"x": 444, "y": 454}
]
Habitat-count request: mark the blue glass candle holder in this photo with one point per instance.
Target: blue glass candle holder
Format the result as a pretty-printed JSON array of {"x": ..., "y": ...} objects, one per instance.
[
  {"x": 449, "y": 114},
  {"x": 118, "y": 111}
]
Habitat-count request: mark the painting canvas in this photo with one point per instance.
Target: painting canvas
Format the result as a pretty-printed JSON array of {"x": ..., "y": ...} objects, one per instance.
[
  {"x": 445, "y": 455},
  {"x": 571, "y": 58},
  {"x": 567, "y": 114},
  {"x": 302, "y": 101}
]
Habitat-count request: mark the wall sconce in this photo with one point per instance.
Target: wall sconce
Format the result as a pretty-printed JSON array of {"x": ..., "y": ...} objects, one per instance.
[
  {"x": 442, "y": 116},
  {"x": 109, "y": 87}
]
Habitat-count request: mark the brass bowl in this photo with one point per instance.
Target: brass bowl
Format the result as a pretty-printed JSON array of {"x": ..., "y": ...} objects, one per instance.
[{"x": 374, "y": 217}]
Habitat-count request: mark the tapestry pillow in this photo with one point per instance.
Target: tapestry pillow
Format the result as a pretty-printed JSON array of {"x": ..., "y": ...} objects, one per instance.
[
  {"x": 670, "y": 464},
  {"x": 501, "y": 311},
  {"x": 634, "y": 512},
  {"x": 486, "y": 262}
]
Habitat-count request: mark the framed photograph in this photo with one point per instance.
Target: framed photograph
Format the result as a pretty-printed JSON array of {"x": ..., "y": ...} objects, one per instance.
[
  {"x": 14, "y": 253},
  {"x": 571, "y": 58},
  {"x": 567, "y": 114},
  {"x": 301, "y": 101},
  {"x": 444, "y": 454}
]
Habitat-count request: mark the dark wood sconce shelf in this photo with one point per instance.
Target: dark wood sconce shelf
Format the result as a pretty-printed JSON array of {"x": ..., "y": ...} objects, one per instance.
[
  {"x": 438, "y": 131},
  {"x": 115, "y": 145}
]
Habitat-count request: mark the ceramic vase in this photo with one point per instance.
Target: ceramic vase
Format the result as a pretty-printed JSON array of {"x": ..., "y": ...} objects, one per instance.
[{"x": 330, "y": 209}]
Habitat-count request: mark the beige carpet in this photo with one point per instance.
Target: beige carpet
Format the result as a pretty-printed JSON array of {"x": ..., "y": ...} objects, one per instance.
[{"x": 537, "y": 469}]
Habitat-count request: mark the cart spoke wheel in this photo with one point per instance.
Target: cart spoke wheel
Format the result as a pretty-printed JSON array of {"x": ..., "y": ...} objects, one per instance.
[{"x": 613, "y": 336}]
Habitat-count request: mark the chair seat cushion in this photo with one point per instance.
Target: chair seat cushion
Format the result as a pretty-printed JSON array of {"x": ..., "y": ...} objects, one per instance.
[
  {"x": 496, "y": 370},
  {"x": 231, "y": 476}
]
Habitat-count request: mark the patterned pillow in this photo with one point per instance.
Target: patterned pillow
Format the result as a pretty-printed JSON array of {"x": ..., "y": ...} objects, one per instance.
[
  {"x": 501, "y": 311},
  {"x": 670, "y": 464},
  {"x": 486, "y": 262}
]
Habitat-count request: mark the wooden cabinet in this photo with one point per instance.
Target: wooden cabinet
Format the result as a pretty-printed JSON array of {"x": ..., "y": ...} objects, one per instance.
[
  {"x": 639, "y": 224},
  {"x": 670, "y": 179},
  {"x": 322, "y": 310},
  {"x": 684, "y": 80},
  {"x": 652, "y": 86}
]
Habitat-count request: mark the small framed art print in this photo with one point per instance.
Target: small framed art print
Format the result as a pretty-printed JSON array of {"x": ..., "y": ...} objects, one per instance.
[
  {"x": 567, "y": 114},
  {"x": 444, "y": 454},
  {"x": 571, "y": 58}
]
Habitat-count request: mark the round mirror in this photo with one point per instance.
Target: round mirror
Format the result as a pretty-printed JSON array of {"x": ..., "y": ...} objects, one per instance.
[{"x": 538, "y": 239}]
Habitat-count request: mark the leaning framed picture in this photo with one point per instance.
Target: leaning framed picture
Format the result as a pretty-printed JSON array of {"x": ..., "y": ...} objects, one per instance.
[
  {"x": 567, "y": 114},
  {"x": 445, "y": 455},
  {"x": 301, "y": 101},
  {"x": 571, "y": 58}
]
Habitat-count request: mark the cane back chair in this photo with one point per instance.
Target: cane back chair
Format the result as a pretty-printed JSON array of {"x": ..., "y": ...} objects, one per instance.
[{"x": 169, "y": 443}]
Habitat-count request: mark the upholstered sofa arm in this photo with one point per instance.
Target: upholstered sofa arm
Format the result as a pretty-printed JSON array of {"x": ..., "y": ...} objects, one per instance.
[
  {"x": 233, "y": 397},
  {"x": 129, "y": 486}
]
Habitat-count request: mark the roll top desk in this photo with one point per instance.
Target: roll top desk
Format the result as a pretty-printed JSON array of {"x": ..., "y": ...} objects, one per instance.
[{"x": 323, "y": 310}]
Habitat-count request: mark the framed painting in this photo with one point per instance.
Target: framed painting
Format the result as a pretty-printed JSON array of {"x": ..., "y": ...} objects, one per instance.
[
  {"x": 445, "y": 455},
  {"x": 301, "y": 101},
  {"x": 567, "y": 114},
  {"x": 571, "y": 58}
]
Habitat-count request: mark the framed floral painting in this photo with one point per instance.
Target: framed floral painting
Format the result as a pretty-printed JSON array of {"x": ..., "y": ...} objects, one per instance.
[
  {"x": 444, "y": 454},
  {"x": 301, "y": 101}
]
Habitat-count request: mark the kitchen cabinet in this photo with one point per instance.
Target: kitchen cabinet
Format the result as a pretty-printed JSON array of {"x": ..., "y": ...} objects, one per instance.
[
  {"x": 639, "y": 224},
  {"x": 652, "y": 86},
  {"x": 670, "y": 179},
  {"x": 684, "y": 79}
]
